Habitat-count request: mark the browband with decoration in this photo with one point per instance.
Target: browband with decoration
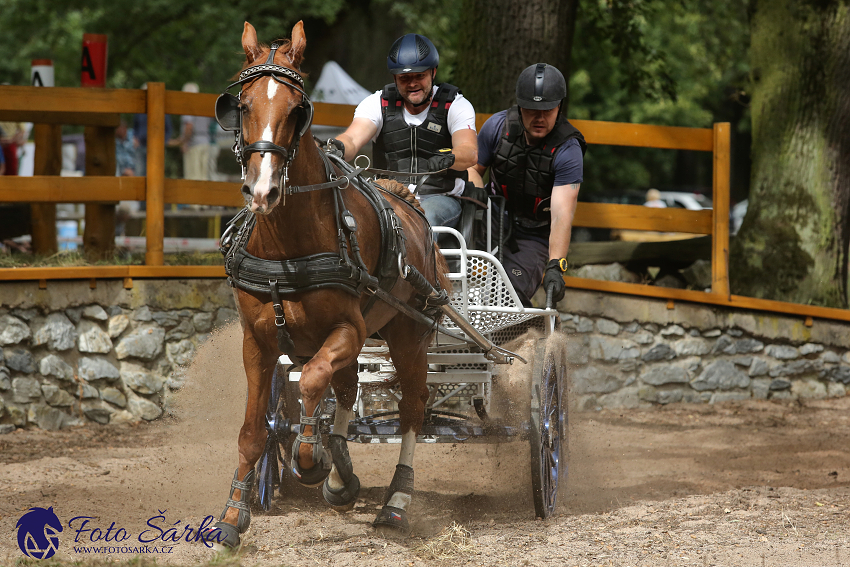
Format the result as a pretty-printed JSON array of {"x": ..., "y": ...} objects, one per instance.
[{"x": 266, "y": 68}]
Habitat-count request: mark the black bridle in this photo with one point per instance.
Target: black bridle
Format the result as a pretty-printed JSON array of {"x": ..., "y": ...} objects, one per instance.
[{"x": 228, "y": 112}]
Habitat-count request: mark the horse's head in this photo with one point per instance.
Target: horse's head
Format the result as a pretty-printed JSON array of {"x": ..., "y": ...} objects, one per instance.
[{"x": 270, "y": 115}]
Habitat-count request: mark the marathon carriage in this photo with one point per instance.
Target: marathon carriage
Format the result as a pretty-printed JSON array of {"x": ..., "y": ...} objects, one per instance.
[
  {"x": 322, "y": 261},
  {"x": 462, "y": 380}
]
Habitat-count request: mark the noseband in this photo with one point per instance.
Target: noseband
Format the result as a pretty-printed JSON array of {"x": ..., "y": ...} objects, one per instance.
[{"x": 228, "y": 112}]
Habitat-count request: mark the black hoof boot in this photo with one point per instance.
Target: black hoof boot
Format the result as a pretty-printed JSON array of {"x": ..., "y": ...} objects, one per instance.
[
  {"x": 341, "y": 499},
  {"x": 392, "y": 519},
  {"x": 315, "y": 475},
  {"x": 227, "y": 535}
]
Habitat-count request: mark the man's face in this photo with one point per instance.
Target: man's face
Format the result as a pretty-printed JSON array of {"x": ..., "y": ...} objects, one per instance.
[
  {"x": 415, "y": 87},
  {"x": 538, "y": 123}
]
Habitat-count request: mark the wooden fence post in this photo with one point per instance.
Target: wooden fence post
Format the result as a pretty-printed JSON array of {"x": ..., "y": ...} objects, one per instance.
[
  {"x": 47, "y": 161},
  {"x": 155, "y": 180},
  {"x": 720, "y": 238},
  {"x": 99, "y": 234}
]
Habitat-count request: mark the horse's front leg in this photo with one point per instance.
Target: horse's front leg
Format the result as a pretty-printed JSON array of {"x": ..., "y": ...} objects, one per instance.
[
  {"x": 408, "y": 348},
  {"x": 310, "y": 463},
  {"x": 236, "y": 517},
  {"x": 342, "y": 486}
]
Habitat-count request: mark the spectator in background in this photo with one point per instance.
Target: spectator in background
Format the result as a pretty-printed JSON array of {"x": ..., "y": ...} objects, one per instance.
[
  {"x": 140, "y": 139},
  {"x": 2, "y": 164},
  {"x": 194, "y": 142},
  {"x": 12, "y": 136},
  {"x": 125, "y": 159},
  {"x": 653, "y": 199}
]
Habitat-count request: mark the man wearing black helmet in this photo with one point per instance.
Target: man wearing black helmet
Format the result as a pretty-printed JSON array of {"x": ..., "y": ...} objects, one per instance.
[
  {"x": 418, "y": 126},
  {"x": 535, "y": 158}
]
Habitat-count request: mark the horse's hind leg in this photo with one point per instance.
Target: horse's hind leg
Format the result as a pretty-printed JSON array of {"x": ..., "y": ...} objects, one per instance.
[
  {"x": 342, "y": 486},
  {"x": 236, "y": 517},
  {"x": 409, "y": 354}
]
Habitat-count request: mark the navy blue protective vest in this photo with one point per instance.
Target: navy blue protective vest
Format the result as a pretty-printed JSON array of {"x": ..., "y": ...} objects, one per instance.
[
  {"x": 401, "y": 147},
  {"x": 526, "y": 174}
]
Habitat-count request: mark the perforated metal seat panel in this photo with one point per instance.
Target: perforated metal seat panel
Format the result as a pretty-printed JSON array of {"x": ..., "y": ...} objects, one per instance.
[{"x": 488, "y": 301}]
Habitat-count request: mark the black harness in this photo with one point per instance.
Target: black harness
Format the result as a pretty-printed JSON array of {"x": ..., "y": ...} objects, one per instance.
[{"x": 343, "y": 269}]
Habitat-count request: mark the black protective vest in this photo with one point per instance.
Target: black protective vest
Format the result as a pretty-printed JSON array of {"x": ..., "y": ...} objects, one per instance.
[
  {"x": 401, "y": 147},
  {"x": 525, "y": 174}
]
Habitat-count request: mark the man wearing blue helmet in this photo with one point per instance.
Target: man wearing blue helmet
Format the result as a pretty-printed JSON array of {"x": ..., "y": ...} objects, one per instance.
[
  {"x": 535, "y": 158},
  {"x": 418, "y": 126}
]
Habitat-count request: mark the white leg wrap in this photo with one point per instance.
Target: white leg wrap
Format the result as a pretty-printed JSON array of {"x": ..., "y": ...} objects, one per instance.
[
  {"x": 408, "y": 445},
  {"x": 341, "y": 418}
]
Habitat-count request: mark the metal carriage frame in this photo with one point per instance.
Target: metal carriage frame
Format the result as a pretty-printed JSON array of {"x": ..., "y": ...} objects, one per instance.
[{"x": 461, "y": 380}]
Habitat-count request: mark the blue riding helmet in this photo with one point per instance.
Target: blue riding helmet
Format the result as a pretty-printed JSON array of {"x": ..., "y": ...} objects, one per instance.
[{"x": 412, "y": 53}]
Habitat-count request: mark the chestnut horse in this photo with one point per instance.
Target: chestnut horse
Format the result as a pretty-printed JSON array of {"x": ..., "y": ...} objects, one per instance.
[{"x": 326, "y": 326}]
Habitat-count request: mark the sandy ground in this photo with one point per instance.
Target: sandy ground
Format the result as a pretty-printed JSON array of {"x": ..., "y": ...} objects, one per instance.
[{"x": 757, "y": 483}]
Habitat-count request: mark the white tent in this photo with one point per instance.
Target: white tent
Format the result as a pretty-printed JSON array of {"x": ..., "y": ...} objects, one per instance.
[{"x": 337, "y": 86}]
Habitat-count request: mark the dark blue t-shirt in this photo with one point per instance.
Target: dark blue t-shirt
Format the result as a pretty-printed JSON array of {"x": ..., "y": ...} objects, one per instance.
[{"x": 568, "y": 163}]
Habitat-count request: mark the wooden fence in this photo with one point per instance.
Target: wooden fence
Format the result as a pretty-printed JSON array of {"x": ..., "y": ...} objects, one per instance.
[{"x": 99, "y": 110}]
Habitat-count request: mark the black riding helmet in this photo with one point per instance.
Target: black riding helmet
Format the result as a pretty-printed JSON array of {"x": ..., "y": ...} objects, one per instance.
[
  {"x": 540, "y": 87},
  {"x": 412, "y": 53}
]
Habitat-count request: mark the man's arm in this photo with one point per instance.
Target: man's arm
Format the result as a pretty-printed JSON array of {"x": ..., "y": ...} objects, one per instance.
[
  {"x": 465, "y": 149},
  {"x": 564, "y": 199},
  {"x": 476, "y": 174},
  {"x": 357, "y": 135}
]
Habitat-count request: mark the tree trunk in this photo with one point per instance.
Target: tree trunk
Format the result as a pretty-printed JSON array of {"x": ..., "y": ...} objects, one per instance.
[
  {"x": 793, "y": 244},
  {"x": 500, "y": 38}
]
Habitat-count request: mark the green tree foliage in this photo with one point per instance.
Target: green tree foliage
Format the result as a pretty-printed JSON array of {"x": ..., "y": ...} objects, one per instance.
[
  {"x": 657, "y": 62},
  {"x": 171, "y": 41}
]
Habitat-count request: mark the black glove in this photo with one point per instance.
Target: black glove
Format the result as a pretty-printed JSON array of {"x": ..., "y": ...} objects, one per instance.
[
  {"x": 336, "y": 148},
  {"x": 554, "y": 277},
  {"x": 440, "y": 162}
]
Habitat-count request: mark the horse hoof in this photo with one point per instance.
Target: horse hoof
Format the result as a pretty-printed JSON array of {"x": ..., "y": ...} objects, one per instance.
[
  {"x": 222, "y": 537},
  {"x": 342, "y": 500},
  {"x": 312, "y": 477},
  {"x": 392, "y": 523}
]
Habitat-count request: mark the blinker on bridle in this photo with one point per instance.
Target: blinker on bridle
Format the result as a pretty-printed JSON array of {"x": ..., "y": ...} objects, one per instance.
[{"x": 228, "y": 113}]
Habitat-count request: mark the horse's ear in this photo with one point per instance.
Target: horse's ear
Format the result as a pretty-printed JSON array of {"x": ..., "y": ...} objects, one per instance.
[
  {"x": 250, "y": 43},
  {"x": 299, "y": 42}
]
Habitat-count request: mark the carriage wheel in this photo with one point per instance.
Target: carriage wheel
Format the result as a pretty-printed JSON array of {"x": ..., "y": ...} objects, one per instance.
[
  {"x": 284, "y": 403},
  {"x": 289, "y": 406},
  {"x": 549, "y": 440}
]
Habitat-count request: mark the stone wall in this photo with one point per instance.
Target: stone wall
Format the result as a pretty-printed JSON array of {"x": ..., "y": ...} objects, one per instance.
[
  {"x": 635, "y": 352},
  {"x": 71, "y": 354}
]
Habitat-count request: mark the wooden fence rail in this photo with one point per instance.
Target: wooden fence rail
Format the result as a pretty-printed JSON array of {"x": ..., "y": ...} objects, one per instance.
[{"x": 102, "y": 107}]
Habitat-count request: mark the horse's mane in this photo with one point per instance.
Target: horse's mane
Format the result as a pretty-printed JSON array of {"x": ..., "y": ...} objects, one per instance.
[{"x": 401, "y": 191}]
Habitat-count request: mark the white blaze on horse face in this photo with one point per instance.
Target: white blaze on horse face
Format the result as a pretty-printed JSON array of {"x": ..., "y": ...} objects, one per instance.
[
  {"x": 264, "y": 181},
  {"x": 263, "y": 184}
]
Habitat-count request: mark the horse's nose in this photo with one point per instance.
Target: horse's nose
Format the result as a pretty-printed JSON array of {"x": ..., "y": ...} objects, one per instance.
[
  {"x": 273, "y": 195},
  {"x": 246, "y": 193},
  {"x": 261, "y": 201}
]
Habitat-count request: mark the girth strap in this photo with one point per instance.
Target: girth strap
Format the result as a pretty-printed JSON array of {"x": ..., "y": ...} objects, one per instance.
[{"x": 284, "y": 340}]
